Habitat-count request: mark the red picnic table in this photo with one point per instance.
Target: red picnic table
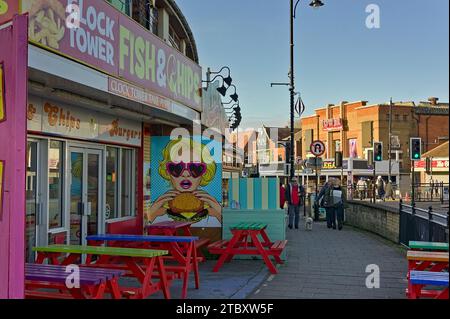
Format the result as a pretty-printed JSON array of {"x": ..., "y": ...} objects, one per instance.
[
  {"x": 129, "y": 259},
  {"x": 176, "y": 228},
  {"x": 246, "y": 241},
  {"x": 181, "y": 249},
  {"x": 49, "y": 282}
]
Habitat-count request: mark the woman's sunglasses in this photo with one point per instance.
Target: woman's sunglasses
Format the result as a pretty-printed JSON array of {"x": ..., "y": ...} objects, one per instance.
[{"x": 195, "y": 169}]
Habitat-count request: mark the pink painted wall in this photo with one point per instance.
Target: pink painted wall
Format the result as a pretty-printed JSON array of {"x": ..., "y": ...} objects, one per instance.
[{"x": 14, "y": 55}]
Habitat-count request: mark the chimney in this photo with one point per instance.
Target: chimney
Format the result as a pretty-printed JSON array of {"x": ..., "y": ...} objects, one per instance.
[{"x": 433, "y": 100}]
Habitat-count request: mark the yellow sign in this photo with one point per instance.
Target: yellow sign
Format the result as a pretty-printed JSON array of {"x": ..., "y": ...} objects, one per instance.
[
  {"x": 2, "y": 94},
  {"x": 1, "y": 187}
]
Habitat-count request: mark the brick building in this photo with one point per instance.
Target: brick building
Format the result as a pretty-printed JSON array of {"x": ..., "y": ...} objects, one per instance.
[{"x": 352, "y": 127}]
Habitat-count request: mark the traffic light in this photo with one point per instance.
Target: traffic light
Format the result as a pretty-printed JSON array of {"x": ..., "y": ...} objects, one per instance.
[
  {"x": 415, "y": 148},
  {"x": 338, "y": 159},
  {"x": 377, "y": 151}
]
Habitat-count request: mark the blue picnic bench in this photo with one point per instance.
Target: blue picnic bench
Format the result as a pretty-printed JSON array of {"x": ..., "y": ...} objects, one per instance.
[
  {"x": 182, "y": 250},
  {"x": 420, "y": 279},
  {"x": 93, "y": 282}
]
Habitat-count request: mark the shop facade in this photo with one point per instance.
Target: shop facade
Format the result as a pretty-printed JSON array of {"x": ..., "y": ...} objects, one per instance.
[{"x": 89, "y": 109}]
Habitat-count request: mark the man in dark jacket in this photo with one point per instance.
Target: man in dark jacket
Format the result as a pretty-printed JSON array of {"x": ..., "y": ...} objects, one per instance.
[
  {"x": 334, "y": 199},
  {"x": 294, "y": 196}
]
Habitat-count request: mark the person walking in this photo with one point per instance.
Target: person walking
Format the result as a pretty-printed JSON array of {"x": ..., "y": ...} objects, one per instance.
[
  {"x": 362, "y": 188},
  {"x": 333, "y": 198},
  {"x": 389, "y": 190},
  {"x": 293, "y": 196},
  {"x": 380, "y": 188}
]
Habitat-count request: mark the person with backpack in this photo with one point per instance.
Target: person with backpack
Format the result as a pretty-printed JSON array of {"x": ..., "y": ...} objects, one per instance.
[
  {"x": 333, "y": 198},
  {"x": 294, "y": 196}
]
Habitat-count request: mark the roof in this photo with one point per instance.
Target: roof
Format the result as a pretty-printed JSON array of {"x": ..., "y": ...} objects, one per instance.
[
  {"x": 438, "y": 151},
  {"x": 283, "y": 132}
]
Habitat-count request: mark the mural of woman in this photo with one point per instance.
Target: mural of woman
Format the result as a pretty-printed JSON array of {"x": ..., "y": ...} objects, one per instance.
[{"x": 187, "y": 165}]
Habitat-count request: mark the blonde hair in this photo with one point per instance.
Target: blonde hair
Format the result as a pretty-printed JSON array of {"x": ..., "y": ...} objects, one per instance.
[{"x": 177, "y": 150}]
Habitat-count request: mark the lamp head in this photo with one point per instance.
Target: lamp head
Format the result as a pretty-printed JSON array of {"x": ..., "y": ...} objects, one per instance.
[
  {"x": 316, "y": 4},
  {"x": 222, "y": 90},
  {"x": 228, "y": 80}
]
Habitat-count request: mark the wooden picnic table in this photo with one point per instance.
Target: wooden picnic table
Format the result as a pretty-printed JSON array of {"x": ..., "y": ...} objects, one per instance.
[
  {"x": 93, "y": 284},
  {"x": 420, "y": 279},
  {"x": 246, "y": 241},
  {"x": 181, "y": 249},
  {"x": 425, "y": 245},
  {"x": 176, "y": 228},
  {"x": 129, "y": 259}
]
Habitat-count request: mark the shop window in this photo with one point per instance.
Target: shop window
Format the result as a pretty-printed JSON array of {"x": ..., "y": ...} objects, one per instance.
[
  {"x": 55, "y": 184},
  {"x": 127, "y": 189},
  {"x": 121, "y": 180},
  {"x": 112, "y": 191},
  {"x": 122, "y": 5}
]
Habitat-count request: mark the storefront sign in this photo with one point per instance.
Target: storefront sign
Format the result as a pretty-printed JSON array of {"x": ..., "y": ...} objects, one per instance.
[
  {"x": 113, "y": 43},
  {"x": 438, "y": 164},
  {"x": 332, "y": 124},
  {"x": 7, "y": 9},
  {"x": 2, "y": 94},
  {"x": 329, "y": 165},
  {"x": 74, "y": 122},
  {"x": 137, "y": 94}
]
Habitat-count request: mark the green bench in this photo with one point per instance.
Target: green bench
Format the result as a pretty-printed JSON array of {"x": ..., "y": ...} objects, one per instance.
[
  {"x": 425, "y": 245},
  {"x": 249, "y": 226}
]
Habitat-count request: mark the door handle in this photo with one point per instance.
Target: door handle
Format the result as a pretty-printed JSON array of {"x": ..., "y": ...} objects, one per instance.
[
  {"x": 40, "y": 215},
  {"x": 87, "y": 211}
]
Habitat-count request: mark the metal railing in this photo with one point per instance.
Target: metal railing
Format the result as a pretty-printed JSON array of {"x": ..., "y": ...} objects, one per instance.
[
  {"x": 431, "y": 192},
  {"x": 421, "y": 225}
]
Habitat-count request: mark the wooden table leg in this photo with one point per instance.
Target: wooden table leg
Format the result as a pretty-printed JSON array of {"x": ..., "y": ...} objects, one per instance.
[
  {"x": 263, "y": 253},
  {"x": 228, "y": 250},
  {"x": 195, "y": 265},
  {"x": 163, "y": 277}
]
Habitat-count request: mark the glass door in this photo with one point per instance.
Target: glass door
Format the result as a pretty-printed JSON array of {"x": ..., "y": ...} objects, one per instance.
[
  {"x": 85, "y": 193},
  {"x": 32, "y": 200}
]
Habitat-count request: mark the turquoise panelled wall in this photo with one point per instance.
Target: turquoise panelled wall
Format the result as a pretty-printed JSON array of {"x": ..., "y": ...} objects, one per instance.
[{"x": 255, "y": 193}]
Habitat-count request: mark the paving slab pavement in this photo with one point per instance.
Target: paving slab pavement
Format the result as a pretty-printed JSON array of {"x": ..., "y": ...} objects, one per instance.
[{"x": 331, "y": 264}]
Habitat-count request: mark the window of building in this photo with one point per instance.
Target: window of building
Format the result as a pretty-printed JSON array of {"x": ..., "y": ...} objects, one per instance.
[
  {"x": 55, "y": 184},
  {"x": 174, "y": 39},
  {"x": 397, "y": 117},
  {"x": 405, "y": 117},
  {"x": 120, "y": 183},
  {"x": 122, "y": 5},
  {"x": 152, "y": 14}
]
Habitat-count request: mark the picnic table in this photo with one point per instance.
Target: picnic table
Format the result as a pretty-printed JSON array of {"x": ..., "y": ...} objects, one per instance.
[
  {"x": 181, "y": 249},
  {"x": 129, "y": 259},
  {"x": 246, "y": 241},
  {"x": 427, "y": 260},
  {"x": 421, "y": 279},
  {"x": 176, "y": 228},
  {"x": 425, "y": 245},
  {"x": 93, "y": 284}
]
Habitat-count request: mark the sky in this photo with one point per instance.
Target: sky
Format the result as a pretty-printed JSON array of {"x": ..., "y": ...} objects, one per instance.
[{"x": 337, "y": 58}]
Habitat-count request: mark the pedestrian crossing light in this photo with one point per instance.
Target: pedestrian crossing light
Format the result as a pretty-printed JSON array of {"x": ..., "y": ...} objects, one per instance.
[
  {"x": 377, "y": 151},
  {"x": 415, "y": 150}
]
